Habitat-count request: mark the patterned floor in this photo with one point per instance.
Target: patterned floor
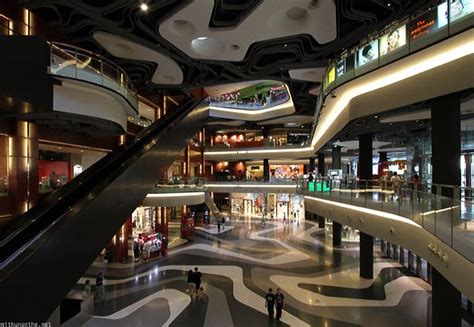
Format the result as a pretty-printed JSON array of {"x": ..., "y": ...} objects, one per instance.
[{"x": 321, "y": 284}]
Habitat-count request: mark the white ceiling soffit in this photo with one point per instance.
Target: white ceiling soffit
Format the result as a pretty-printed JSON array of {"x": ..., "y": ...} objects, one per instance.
[
  {"x": 217, "y": 90},
  {"x": 307, "y": 74},
  {"x": 355, "y": 144},
  {"x": 167, "y": 72},
  {"x": 315, "y": 90},
  {"x": 188, "y": 29},
  {"x": 290, "y": 121},
  {"x": 418, "y": 115},
  {"x": 227, "y": 123}
]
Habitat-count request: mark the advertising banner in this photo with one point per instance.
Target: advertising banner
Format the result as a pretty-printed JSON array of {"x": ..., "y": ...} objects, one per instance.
[
  {"x": 368, "y": 53},
  {"x": 393, "y": 40}
]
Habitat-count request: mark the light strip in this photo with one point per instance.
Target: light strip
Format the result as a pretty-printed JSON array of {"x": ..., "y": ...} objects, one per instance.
[
  {"x": 438, "y": 211},
  {"x": 250, "y": 112},
  {"x": 366, "y": 210},
  {"x": 342, "y": 100},
  {"x": 251, "y": 185},
  {"x": 358, "y": 89},
  {"x": 170, "y": 195}
]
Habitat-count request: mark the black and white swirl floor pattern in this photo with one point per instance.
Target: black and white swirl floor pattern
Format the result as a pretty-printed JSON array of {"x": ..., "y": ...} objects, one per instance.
[{"x": 321, "y": 284}]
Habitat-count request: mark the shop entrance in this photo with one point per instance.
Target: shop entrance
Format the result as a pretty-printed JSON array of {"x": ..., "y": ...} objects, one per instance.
[
  {"x": 248, "y": 207},
  {"x": 282, "y": 210}
]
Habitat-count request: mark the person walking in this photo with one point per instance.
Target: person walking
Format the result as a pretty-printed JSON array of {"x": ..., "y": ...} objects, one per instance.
[
  {"x": 279, "y": 301},
  {"x": 197, "y": 280},
  {"x": 190, "y": 282},
  {"x": 395, "y": 180},
  {"x": 100, "y": 290},
  {"x": 270, "y": 303},
  {"x": 87, "y": 289}
]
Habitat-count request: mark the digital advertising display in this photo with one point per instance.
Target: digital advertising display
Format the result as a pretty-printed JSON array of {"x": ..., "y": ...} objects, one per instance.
[
  {"x": 368, "y": 53},
  {"x": 393, "y": 40},
  {"x": 341, "y": 68},
  {"x": 461, "y": 8}
]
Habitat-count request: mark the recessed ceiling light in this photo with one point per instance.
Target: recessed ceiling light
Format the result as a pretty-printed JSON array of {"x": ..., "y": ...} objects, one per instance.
[
  {"x": 144, "y": 7},
  {"x": 202, "y": 38},
  {"x": 389, "y": 4}
]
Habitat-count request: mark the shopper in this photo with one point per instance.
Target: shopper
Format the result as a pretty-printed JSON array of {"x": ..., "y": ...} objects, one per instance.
[
  {"x": 218, "y": 225},
  {"x": 270, "y": 303},
  {"x": 100, "y": 290},
  {"x": 197, "y": 280},
  {"x": 279, "y": 301},
  {"x": 190, "y": 282},
  {"x": 310, "y": 177},
  {"x": 87, "y": 289},
  {"x": 395, "y": 180}
]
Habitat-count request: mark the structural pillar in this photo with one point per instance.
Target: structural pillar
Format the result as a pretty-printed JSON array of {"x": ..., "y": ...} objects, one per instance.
[
  {"x": 365, "y": 157},
  {"x": 321, "y": 222},
  {"x": 366, "y": 255},
  {"x": 321, "y": 166},
  {"x": 312, "y": 165},
  {"x": 266, "y": 170},
  {"x": 336, "y": 233},
  {"x": 446, "y": 154},
  {"x": 446, "y": 302},
  {"x": 336, "y": 157}
]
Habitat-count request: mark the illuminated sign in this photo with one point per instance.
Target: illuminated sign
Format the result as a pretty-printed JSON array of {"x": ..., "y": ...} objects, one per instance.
[
  {"x": 368, "y": 53},
  {"x": 331, "y": 76},
  {"x": 393, "y": 40},
  {"x": 311, "y": 186},
  {"x": 341, "y": 68}
]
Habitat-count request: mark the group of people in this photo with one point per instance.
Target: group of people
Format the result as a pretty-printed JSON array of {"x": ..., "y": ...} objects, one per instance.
[
  {"x": 274, "y": 301},
  {"x": 194, "y": 282}
]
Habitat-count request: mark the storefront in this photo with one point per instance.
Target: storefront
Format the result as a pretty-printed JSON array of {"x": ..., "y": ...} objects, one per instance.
[
  {"x": 277, "y": 206},
  {"x": 286, "y": 172}
]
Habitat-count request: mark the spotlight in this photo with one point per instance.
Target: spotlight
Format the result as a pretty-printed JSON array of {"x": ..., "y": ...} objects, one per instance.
[{"x": 144, "y": 7}]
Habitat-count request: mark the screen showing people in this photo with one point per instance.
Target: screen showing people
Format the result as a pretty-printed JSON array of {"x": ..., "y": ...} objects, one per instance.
[
  {"x": 393, "y": 40},
  {"x": 368, "y": 53}
]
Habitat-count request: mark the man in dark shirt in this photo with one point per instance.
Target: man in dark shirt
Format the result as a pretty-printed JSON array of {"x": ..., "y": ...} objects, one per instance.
[
  {"x": 279, "y": 299},
  {"x": 270, "y": 302},
  {"x": 197, "y": 280}
]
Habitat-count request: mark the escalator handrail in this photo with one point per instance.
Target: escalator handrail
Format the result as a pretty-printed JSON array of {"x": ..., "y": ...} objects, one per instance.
[{"x": 55, "y": 205}]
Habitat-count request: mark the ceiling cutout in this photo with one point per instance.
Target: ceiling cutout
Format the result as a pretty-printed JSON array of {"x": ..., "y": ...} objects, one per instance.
[
  {"x": 307, "y": 74},
  {"x": 188, "y": 29},
  {"x": 167, "y": 72}
]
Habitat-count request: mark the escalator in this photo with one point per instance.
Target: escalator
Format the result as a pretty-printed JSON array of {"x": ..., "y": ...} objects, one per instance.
[{"x": 46, "y": 250}]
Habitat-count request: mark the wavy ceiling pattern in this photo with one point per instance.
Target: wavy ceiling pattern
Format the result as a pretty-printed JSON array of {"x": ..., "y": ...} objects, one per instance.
[{"x": 77, "y": 20}]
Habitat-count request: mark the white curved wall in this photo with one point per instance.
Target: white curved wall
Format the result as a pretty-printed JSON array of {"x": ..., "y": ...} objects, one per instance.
[
  {"x": 402, "y": 231},
  {"x": 90, "y": 101}
]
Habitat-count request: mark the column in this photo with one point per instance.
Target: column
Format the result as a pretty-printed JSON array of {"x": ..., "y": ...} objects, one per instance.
[
  {"x": 266, "y": 170},
  {"x": 336, "y": 233},
  {"x": 365, "y": 157},
  {"x": 312, "y": 164},
  {"x": 446, "y": 153},
  {"x": 446, "y": 302},
  {"x": 23, "y": 165},
  {"x": 468, "y": 161},
  {"x": 321, "y": 166},
  {"x": 336, "y": 157},
  {"x": 383, "y": 164},
  {"x": 366, "y": 255},
  {"x": 321, "y": 222}
]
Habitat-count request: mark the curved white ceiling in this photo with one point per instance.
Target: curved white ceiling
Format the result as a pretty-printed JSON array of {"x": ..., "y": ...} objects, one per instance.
[
  {"x": 188, "y": 29},
  {"x": 168, "y": 71},
  {"x": 307, "y": 74}
]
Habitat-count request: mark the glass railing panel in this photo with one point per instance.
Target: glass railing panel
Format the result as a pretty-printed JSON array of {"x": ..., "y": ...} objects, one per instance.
[
  {"x": 88, "y": 69},
  {"x": 443, "y": 218},
  {"x": 463, "y": 229},
  {"x": 63, "y": 62},
  {"x": 111, "y": 77}
]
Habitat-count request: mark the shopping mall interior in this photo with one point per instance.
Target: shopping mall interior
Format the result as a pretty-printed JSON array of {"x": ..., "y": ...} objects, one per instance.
[{"x": 167, "y": 162}]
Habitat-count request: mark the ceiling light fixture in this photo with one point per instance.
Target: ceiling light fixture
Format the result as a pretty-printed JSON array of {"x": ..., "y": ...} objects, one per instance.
[
  {"x": 144, "y": 7},
  {"x": 202, "y": 38}
]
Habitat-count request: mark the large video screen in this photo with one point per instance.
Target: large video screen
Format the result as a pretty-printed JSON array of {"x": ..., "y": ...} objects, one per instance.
[
  {"x": 393, "y": 40},
  {"x": 368, "y": 53}
]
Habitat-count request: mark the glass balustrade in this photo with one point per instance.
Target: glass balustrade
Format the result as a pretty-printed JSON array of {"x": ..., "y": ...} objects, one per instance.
[
  {"x": 72, "y": 62},
  {"x": 445, "y": 211}
]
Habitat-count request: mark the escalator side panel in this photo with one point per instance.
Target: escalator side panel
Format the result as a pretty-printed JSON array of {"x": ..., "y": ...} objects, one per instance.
[{"x": 66, "y": 250}]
